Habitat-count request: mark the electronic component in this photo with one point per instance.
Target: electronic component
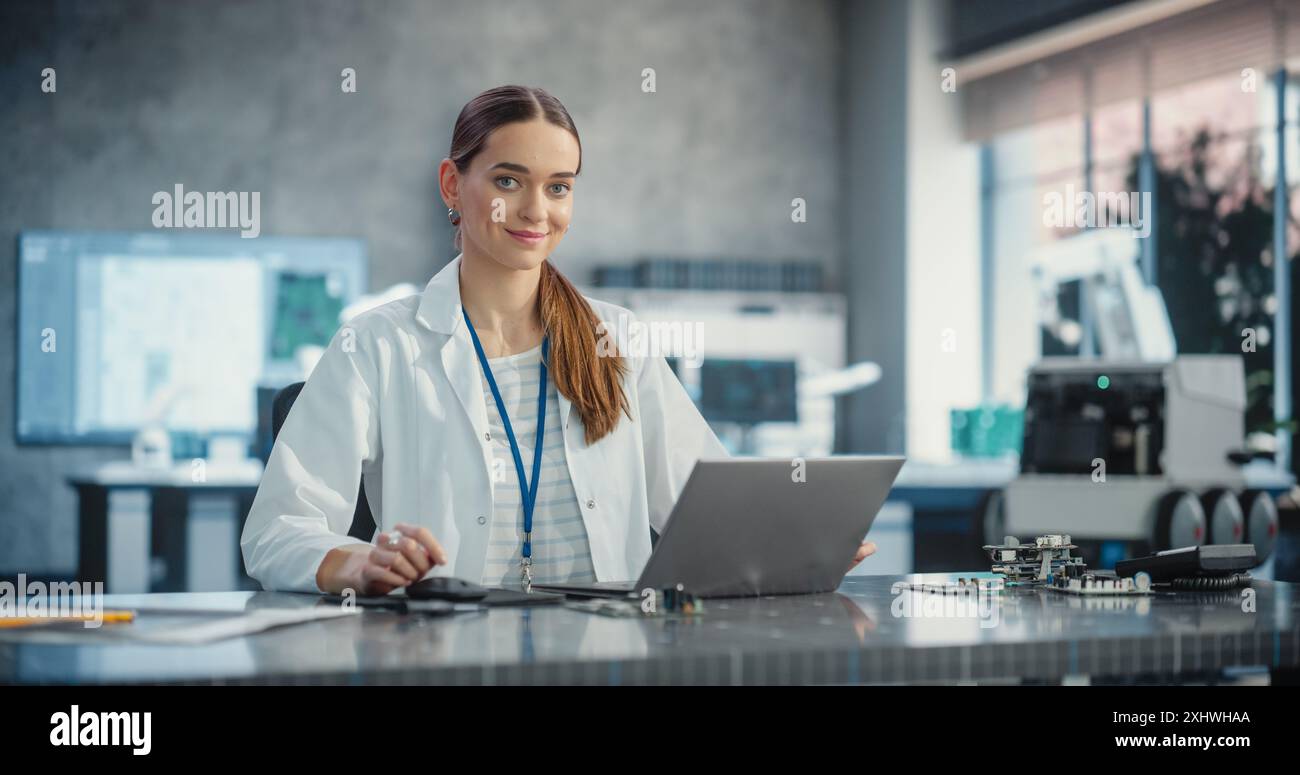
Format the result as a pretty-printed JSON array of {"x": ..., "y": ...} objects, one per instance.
[
  {"x": 1047, "y": 562},
  {"x": 1048, "y": 557},
  {"x": 962, "y": 586},
  {"x": 1213, "y": 566},
  {"x": 1102, "y": 583}
]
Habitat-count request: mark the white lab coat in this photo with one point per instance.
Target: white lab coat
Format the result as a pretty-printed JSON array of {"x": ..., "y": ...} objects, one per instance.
[{"x": 397, "y": 401}]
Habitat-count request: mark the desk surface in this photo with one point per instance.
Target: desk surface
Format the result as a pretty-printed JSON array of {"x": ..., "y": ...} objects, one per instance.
[{"x": 862, "y": 633}]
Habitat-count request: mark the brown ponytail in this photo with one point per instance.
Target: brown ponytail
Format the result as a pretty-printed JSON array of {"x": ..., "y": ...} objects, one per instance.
[{"x": 591, "y": 381}]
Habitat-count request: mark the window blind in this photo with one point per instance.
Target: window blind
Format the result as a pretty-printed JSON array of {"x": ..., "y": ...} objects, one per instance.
[{"x": 1214, "y": 39}]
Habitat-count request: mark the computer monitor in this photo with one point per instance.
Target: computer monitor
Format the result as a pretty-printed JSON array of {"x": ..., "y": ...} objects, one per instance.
[
  {"x": 748, "y": 391},
  {"x": 114, "y": 328}
]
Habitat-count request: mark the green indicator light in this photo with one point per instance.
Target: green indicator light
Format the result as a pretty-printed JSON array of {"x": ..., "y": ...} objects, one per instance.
[{"x": 1103, "y": 382}]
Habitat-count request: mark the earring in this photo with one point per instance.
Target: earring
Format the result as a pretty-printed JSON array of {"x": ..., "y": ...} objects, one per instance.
[{"x": 453, "y": 216}]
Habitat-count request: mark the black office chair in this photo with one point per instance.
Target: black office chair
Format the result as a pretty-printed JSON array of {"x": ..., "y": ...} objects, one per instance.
[{"x": 363, "y": 522}]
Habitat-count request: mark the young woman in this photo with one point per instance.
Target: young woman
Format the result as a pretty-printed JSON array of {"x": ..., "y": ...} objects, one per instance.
[{"x": 497, "y": 441}]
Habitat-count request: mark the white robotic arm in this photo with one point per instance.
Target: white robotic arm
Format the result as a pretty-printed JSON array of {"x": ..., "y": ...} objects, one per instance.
[{"x": 1132, "y": 323}]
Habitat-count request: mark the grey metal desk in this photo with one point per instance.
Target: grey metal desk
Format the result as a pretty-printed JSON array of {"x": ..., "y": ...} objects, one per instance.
[{"x": 846, "y": 637}]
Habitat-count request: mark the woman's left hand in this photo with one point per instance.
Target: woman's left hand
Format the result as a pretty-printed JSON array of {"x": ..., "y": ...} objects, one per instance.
[{"x": 864, "y": 551}]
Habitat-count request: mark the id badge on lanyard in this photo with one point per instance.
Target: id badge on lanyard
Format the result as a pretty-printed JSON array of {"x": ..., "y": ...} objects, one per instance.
[{"x": 527, "y": 489}]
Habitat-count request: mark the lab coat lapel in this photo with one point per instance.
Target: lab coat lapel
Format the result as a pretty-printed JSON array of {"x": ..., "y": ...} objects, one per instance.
[
  {"x": 451, "y": 354},
  {"x": 440, "y": 309},
  {"x": 461, "y": 364}
]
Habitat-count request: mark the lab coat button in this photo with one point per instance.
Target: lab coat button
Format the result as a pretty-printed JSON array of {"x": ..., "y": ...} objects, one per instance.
[
  {"x": 482, "y": 520},
  {"x": 487, "y": 436},
  {"x": 591, "y": 504}
]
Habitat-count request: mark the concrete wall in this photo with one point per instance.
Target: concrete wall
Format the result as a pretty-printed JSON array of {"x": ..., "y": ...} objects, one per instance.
[{"x": 873, "y": 219}]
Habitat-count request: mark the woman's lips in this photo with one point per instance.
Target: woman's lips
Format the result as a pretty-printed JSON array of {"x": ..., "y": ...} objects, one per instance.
[{"x": 529, "y": 238}]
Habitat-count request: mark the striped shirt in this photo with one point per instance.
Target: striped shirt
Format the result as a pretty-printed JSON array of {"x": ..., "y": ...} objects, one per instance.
[{"x": 561, "y": 552}]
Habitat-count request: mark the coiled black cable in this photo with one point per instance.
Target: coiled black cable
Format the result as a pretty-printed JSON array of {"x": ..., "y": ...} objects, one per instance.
[{"x": 1211, "y": 583}]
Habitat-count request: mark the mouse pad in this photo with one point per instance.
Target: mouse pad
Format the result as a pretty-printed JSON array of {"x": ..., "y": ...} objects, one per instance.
[{"x": 498, "y": 596}]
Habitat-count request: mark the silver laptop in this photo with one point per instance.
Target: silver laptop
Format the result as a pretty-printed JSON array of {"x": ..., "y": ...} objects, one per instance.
[{"x": 761, "y": 526}]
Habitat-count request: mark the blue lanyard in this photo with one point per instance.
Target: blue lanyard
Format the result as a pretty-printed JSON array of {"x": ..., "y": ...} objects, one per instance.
[{"x": 527, "y": 492}]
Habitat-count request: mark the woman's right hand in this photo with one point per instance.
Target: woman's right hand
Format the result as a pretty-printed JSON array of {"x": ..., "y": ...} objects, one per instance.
[{"x": 383, "y": 567}]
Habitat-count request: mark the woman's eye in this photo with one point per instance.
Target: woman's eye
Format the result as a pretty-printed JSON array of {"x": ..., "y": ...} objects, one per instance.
[
  {"x": 502, "y": 181},
  {"x": 559, "y": 189}
]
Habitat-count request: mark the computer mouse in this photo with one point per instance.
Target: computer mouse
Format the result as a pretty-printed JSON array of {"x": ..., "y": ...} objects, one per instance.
[{"x": 445, "y": 588}]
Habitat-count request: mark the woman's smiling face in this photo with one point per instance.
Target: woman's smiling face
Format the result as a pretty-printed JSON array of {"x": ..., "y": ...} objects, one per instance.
[{"x": 516, "y": 197}]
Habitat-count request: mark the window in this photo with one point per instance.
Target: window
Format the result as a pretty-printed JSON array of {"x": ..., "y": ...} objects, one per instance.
[
  {"x": 1027, "y": 165},
  {"x": 1215, "y": 160}
]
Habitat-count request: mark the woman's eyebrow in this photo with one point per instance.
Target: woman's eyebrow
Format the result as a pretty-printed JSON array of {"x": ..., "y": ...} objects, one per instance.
[{"x": 522, "y": 170}]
